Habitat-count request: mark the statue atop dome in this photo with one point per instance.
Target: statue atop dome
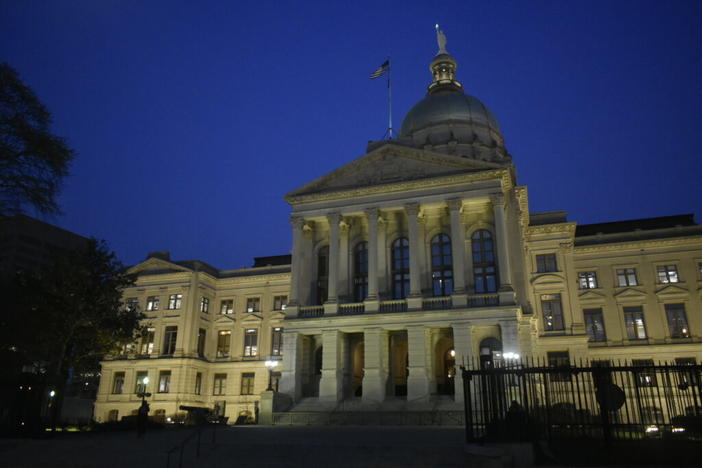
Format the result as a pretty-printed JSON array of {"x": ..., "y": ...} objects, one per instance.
[{"x": 441, "y": 40}]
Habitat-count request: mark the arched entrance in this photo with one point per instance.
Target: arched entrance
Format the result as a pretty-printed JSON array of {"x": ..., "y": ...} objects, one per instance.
[
  {"x": 445, "y": 365},
  {"x": 490, "y": 352}
]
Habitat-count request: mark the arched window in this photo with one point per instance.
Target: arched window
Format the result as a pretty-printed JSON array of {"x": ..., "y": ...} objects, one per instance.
[
  {"x": 441, "y": 265},
  {"x": 484, "y": 272},
  {"x": 400, "y": 268},
  {"x": 360, "y": 271},
  {"x": 322, "y": 275}
]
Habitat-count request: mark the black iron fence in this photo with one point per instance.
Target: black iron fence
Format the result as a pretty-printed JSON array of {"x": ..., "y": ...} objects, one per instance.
[{"x": 531, "y": 400}]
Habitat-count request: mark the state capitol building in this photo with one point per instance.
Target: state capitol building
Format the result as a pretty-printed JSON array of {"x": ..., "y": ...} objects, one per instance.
[{"x": 416, "y": 258}]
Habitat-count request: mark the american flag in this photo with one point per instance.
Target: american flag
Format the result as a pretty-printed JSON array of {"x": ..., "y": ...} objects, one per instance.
[{"x": 381, "y": 70}]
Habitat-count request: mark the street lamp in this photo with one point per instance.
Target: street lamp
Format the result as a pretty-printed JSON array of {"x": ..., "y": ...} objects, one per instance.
[
  {"x": 143, "y": 394},
  {"x": 270, "y": 364}
]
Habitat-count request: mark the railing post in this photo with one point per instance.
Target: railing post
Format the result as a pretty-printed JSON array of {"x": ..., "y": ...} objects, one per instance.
[{"x": 467, "y": 405}]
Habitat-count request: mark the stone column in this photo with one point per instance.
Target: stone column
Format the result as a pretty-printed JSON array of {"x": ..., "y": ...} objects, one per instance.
[
  {"x": 330, "y": 386},
  {"x": 458, "y": 253},
  {"x": 418, "y": 356},
  {"x": 305, "y": 277},
  {"x": 375, "y": 373},
  {"x": 412, "y": 211},
  {"x": 463, "y": 345},
  {"x": 296, "y": 267},
  {"x": 291, "y": 374},
  {"x": 333, "y": 219},
  {"x": 381, "y": 257},
  {"x": 505, "y": 273},
  {"x": 372, "y": 216},
  {"x": 342, "y": 290}
]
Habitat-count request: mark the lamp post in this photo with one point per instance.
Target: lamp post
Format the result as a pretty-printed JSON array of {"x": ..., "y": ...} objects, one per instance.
[
  {"x": 143, "y": 394},
  {"x": 270, "y": 364}
]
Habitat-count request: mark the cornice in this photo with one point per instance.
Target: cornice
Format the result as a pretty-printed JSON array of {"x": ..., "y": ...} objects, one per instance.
[
  {"x": 637, "y": 244},
  {"x": 496, "y": 174},
  {"x": 552, "y": 228}
]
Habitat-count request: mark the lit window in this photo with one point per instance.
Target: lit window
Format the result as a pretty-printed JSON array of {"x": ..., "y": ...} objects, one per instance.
[
  {"x": 277, "y": 342},
  {"x": 634, "y": 322},
  {"x": 201, "y": 336},
  {"x": 627, "y": 277},
  {"x": 587, "y": 279},
  {"x": 400, "y": 268},
  {"x": 546, "y": 263},
  {"x": 118, "y": 383},
  {"x": 667, "y": 274},
  {"x": 164, "y": 381},
  {"x": 198, "y": 383},
  {"x": 253, "y": 304},
  {"x": 132, "y": 304},
  {"x": 594, "y": 325},
  {"x": 147, "y": 342},
  {"x": 484, "y": 270},
  {"x": 169, "y": 340},
  {"x": 441, "y": 265},
  {"x": 552, "y": 312},
  {"x": 247, "y": 383},
  {"x": 175, "y": 301},
  {"x": 645, "y": 377},
  {"x": 360, "y": 271},
  {"x": 152, "y": 303},
  {"x": 220, "y": 384},
  {"x": 280, "y": 302},
  {"x": 251, "y": 343},
  {"x": 224, "y": 338},
  {"x": 699, "y": 267},
  {"x": 226, "y": 307},
  {"x": 677, "y": 321},
  {"x": 204, "y": 305}
]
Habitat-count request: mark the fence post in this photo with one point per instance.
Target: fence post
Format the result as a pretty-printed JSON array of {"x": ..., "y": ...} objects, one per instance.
[
  {"x": 467, "y": 405},
  {"x": 602, "y": 381}
]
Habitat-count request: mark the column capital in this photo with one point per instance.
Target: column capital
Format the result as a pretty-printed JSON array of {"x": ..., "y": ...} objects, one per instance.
[
  {"x": 497, "y": 199},
  {"x": 297, "y": 221},
  {"x": 455, "y": 204},
  {"x": 412, "y": 209},
  {"x": 334, "y": 217},
  {"x": 370, "y": 212},
  {"x": 308, "y": 227},
  {"x": 344, "y": 225}
]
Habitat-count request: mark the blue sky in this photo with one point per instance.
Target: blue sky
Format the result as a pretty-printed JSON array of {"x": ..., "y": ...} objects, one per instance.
[{"x": 191, "y": 120}]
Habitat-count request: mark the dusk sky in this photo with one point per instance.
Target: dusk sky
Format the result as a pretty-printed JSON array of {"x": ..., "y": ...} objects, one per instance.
[{"x": 191, "y": 120}]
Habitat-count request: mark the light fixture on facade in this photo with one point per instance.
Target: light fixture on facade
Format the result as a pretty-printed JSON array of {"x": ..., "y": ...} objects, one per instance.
[
  {"x": 270, "y": 364},
  {"x": 511, "y": 355}
]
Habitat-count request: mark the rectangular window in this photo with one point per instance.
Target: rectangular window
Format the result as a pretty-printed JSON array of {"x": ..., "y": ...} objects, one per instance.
[
  {"x": 204, "y": 305},
  {"x": 677, "y": 321},
  {"x": 587, "y": 279},
  {"x": 139, "y": 385},
  {"x": 594, "y": 324},
  {"x": 251, "y": 343},
  {"x": 546, "y": 263},
  {"x": 280, "y": 302},
  {"x": 247, "y": 383},
  {"x": 224, "y": 338},
  {"x": 201, "y": 340},
  {"x": 164, "y": 381},
  {"x": 667, "y": 273},
  {"x": 553, "y": 312},
  {"x": 131, "y": 304},
  {"x": 147, "y": 342},
  {"x": 275, "y": 380},
  {"x": 220, "y": 384},
  {"x": 559, "y": 359},
  {"x": 634, "y": 322},
  {"x": 169, "y": 340},
  {"x": 226, "y": 307},
  {"x": 175, "y": 301},
  {"x": 627, "y": 277},
  {"x": 277, "y": 342},
  {"x": 253, "y": 304},
  {"x": 198, "y": 383},
  {"x": 699, "y": 269},
  {"x": 118, "y": 383},
  {"x": 152, "y": 303},
  {"x": 644, "y": 377}
]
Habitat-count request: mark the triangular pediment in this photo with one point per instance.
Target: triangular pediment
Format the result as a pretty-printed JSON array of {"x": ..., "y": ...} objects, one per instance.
[
  {"x": 671, "y": 291},
  {"x": 156, "y": 266},
  {"x": 591, "y": 296},
  {"x": 630, "y": 294},
  {"x": 251, "y": 319},
  {"x": 225, "y": 319},
  {"x": 392, "y": 164}
]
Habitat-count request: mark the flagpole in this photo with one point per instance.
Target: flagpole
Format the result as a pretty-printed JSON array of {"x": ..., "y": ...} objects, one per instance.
[{"x": 389, "y": 100}]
